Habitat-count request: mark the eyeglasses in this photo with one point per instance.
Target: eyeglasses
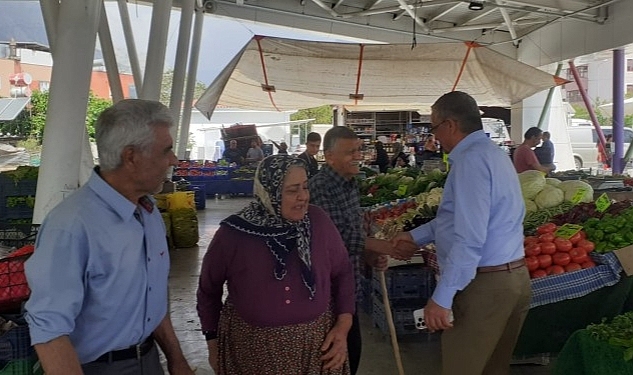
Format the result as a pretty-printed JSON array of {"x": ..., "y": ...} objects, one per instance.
[{"x": 433, "y": 129}]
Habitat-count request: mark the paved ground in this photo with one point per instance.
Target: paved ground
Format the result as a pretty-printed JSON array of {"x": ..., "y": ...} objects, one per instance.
[{"x": 420, "y": 353}]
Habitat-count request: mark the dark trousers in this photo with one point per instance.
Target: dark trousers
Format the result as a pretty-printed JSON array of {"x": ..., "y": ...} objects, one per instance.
[
  {"x": 148, "y": 365},
  {"x": 354, "y": 345}
]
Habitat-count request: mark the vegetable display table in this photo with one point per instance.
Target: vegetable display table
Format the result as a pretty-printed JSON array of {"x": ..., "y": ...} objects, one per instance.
[
  {"x": 584, "y": 355},
  {"x": 548, "y": 326},
  {"x": 229, "y": 187}
]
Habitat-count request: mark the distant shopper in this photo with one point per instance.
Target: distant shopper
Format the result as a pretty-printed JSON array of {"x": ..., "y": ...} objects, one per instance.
[
  {"x": 524, "y": 157},
  {"x": 604, "y": 154},
  {"x": 400, "y": 159},
  {"x": 282, "y": 147},
  {"x": 233, "y": 154},
  {"x": 255, "y": 153},
  {"x": 313, "y": 143},
  {"x": 545, "y": 152},
  {"x": 382, "y": 159}
]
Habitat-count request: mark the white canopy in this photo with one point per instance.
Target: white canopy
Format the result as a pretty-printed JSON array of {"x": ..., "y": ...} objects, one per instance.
[{"x": 283, "y": 74}]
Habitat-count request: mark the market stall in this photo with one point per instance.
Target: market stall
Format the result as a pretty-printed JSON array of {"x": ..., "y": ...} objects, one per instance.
[{"x": 215, "y": 178}]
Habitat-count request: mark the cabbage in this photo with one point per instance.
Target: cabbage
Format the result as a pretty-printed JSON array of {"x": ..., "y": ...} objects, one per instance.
[
  {"x": 532, "y": 182},
  {"x": 434, "y": 197},
  {"x": 571, "y": 187},
  {"x": 550, "y": 196},
  {"x": 553, "y": 181},
  {"x": 530, "y": 206}
]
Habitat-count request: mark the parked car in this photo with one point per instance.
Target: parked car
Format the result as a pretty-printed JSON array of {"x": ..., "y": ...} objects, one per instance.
[{"x": 584, "y": 140}]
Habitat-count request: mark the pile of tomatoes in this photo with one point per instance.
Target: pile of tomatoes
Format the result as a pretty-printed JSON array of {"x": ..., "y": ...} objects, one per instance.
[{"x": 546, "y": 254}]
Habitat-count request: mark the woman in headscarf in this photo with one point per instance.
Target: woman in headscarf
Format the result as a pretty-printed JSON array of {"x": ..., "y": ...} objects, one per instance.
[
  {"x": 290, "y": 283},
  {"x": 400, "y": 159}
]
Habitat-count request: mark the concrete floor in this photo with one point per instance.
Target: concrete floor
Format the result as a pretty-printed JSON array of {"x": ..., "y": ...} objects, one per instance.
[{"x": 420, "y": 353}]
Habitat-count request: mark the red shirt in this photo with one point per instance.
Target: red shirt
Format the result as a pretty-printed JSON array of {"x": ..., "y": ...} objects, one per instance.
[{"x": 524, "y": 159}]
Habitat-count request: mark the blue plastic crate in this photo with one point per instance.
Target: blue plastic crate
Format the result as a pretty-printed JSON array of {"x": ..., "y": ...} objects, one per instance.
[
  {"x": 407, "y": 282},
  {"x": 15, "y": 344},
  {"x": 402, "y": 316},
  {"x": 200, "y": 197}
]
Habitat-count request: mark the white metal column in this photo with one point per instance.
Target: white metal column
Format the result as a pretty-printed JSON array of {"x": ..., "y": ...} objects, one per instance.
[
  {"x": 50, "y": 13},
  {"x": 66, "y": 119},
  {"x": 131, "y": 46},
  {"x": 109, "y": 57},
  {"x": 155, "y": 62},
  {"x": 180, "y": 66},
  {"x": 192, "y": 73}
]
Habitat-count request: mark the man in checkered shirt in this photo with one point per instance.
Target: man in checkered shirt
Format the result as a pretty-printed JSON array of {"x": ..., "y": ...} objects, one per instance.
[{"x": 335, "y": 190}]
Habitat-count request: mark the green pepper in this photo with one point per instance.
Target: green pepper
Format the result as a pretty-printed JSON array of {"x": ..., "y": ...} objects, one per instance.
[
  {"x": 598, "y": 235},
  {"x": 629, "y": 236},
  {"x": 601, "y": 247},
  {"x": 610, "y": 228}
]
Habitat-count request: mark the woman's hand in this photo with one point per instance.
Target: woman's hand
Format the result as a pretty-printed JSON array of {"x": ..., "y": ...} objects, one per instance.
[
  {"x": 213, "y": 355},
  {"x": 335, "y": 344}
]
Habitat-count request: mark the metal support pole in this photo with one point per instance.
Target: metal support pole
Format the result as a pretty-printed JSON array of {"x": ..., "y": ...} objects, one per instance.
[
  {"x": 50, "y": 13},
  {"x": 618, "y": 110},
  {"x": 180, "y": 66},
  {"x": 131, "y": 46},
  {"x": 585, "y": 99},
  {"x": 192, "y": 73},
  {"x": 548, "y": 101},
  {"x": 155, "y": 62},
  {"x": 109, "y": 57},
  {"x": 66, "y": 119}
]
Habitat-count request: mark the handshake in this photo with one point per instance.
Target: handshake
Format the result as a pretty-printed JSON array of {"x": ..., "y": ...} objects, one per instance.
[{"x": 403, "y": 247}]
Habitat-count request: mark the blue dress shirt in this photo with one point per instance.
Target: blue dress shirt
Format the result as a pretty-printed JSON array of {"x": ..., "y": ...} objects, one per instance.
[
  {"x": 98, "y": 275},
  {"x": 480, "y": 219}
]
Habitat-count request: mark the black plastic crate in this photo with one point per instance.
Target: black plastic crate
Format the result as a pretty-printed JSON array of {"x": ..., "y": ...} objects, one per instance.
[
  {"x": 23, "y": 366},
  {"x": 15, "y": 344},
  {"x": 15, "y": 235},
  {"x": 407, "y": 282},
  {"x": 402, "y": 316}
]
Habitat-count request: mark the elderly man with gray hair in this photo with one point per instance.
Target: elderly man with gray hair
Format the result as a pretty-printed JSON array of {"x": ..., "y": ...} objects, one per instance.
[{"x": 99, "y": 275}]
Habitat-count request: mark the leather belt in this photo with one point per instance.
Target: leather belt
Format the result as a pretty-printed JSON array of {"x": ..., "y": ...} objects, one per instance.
[
  {"x": 133, "y": 352},
  {"x": 503, "y": 267}
]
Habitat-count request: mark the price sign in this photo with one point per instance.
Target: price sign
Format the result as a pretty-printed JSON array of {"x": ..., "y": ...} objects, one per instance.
[
  {"x": 580, "y": 194},
  {"x": 402, "y": 190},
  {"x": 602, "y": 203},
  {"x": 568, "y": 230}
]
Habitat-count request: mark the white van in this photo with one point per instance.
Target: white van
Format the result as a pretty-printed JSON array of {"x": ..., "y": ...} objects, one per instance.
[
  {"x": 584, "y": 140},
  {"x": 497, "y": 130}
]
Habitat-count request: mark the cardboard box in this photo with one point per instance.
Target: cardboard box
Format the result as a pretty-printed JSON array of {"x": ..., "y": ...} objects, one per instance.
[{"x": 625, "y": 256}]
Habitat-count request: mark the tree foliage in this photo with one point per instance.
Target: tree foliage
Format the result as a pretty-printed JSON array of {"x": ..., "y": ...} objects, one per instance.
[
  {"x": 321, "y": 115},
  {"x": 603, "y": 118},
  {"x": 168, "y": 81}
]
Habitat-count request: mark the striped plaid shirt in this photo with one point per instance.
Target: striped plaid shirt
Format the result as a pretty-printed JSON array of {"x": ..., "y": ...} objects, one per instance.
[{"x": 340, "y": 198}]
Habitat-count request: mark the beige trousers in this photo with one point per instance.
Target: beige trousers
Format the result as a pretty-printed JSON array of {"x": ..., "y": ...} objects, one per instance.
[{"x": 489, "y": 314}]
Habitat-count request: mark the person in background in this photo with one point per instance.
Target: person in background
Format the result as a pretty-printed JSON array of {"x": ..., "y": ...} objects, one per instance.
[
  {"x": 290, "y": 283},
  {"x": 232, "y": 154},
  {"x": 255, "y": 153},
  {"x": 431, "y": 150},
  {"x": 524, "y": 157},
  {"x": 335, "y": 190},
  {"x": 313, "y": 143},
  {"x": 282, "y": 147},
  {"x": 483, "y": 278},
  {"x": 400, "y": 159},
  {"x": 604, "y": 154},
  {"x": 545, "y": 152},
  {"x": 382, "y": 159},
  {"x": 99, "y": 276}
]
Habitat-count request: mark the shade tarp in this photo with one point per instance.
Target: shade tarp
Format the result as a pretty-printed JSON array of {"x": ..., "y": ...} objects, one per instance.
[{"x": 282, "y": 74}]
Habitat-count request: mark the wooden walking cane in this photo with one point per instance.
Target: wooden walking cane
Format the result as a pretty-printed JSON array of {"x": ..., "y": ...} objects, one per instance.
[{"x": 392, "y": 327}]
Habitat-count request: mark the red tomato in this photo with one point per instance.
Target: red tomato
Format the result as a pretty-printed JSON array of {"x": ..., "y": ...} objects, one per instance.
[
  {"x": 548, "y": 248},
  {"x": 555, "y": 270},
  {"x": 588, "y": 264},
  {"x": 575, "y": 238},
  {"x": 533, "y": 249},
  {"x": 586, "y": 245},
  {"x": 561, "y": 259},
  {"x": 546, "y": 228},
  {"x": 563, "y": 244},
  {"x": 530, "y": 239},
  {"x": 571, "y": 267},
  {"x": 532, "y": 263},
  {"x": 538, "y": 273},
  {"x": 583, "y": 234},
  {"x": 544, "y": 260},
  {"x": 546, "y": 237},
  {"x": 578, "y": 255}
]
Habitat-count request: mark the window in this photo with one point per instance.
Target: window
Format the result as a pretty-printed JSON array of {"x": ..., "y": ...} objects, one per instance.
[
  {"x": 44, "y": 86},
  {"x": 132, "y": 92},
  {"x": 629, "y": 65},
  {"x": 574, "y": 96},
  {"x": 582, "y": 71}
]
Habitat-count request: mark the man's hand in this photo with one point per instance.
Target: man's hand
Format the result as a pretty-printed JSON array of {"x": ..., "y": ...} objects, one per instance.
[
  {"x": 335, "y": 344},
  {"x": 378, "y": 261},
  {"x": 179, "y": 368},
  {"x": 403, "y": 246},
  {"x": 212, "y": 345},
  {"x": 436, "y": 317}
]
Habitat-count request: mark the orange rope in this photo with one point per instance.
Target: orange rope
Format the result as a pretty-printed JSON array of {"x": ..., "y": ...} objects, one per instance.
[
  {"x": 261, "y": 57},
  {"x": 470, "y": 45},
  {"x": 360, "y": 68}
]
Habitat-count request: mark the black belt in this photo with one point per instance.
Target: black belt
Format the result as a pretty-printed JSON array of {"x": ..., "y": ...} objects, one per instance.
[{"x": 134, "y": 351}]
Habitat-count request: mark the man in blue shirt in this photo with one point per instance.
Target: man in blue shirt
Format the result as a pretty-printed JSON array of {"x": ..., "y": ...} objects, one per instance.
[
  {"x": 98, "y": 278},
  {"x": 545, "y": 152},
  {"x": 478, "y": 233}
]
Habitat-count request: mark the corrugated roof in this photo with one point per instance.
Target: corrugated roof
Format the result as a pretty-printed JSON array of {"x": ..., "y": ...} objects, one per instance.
[{"x": 10, "y": 108}]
